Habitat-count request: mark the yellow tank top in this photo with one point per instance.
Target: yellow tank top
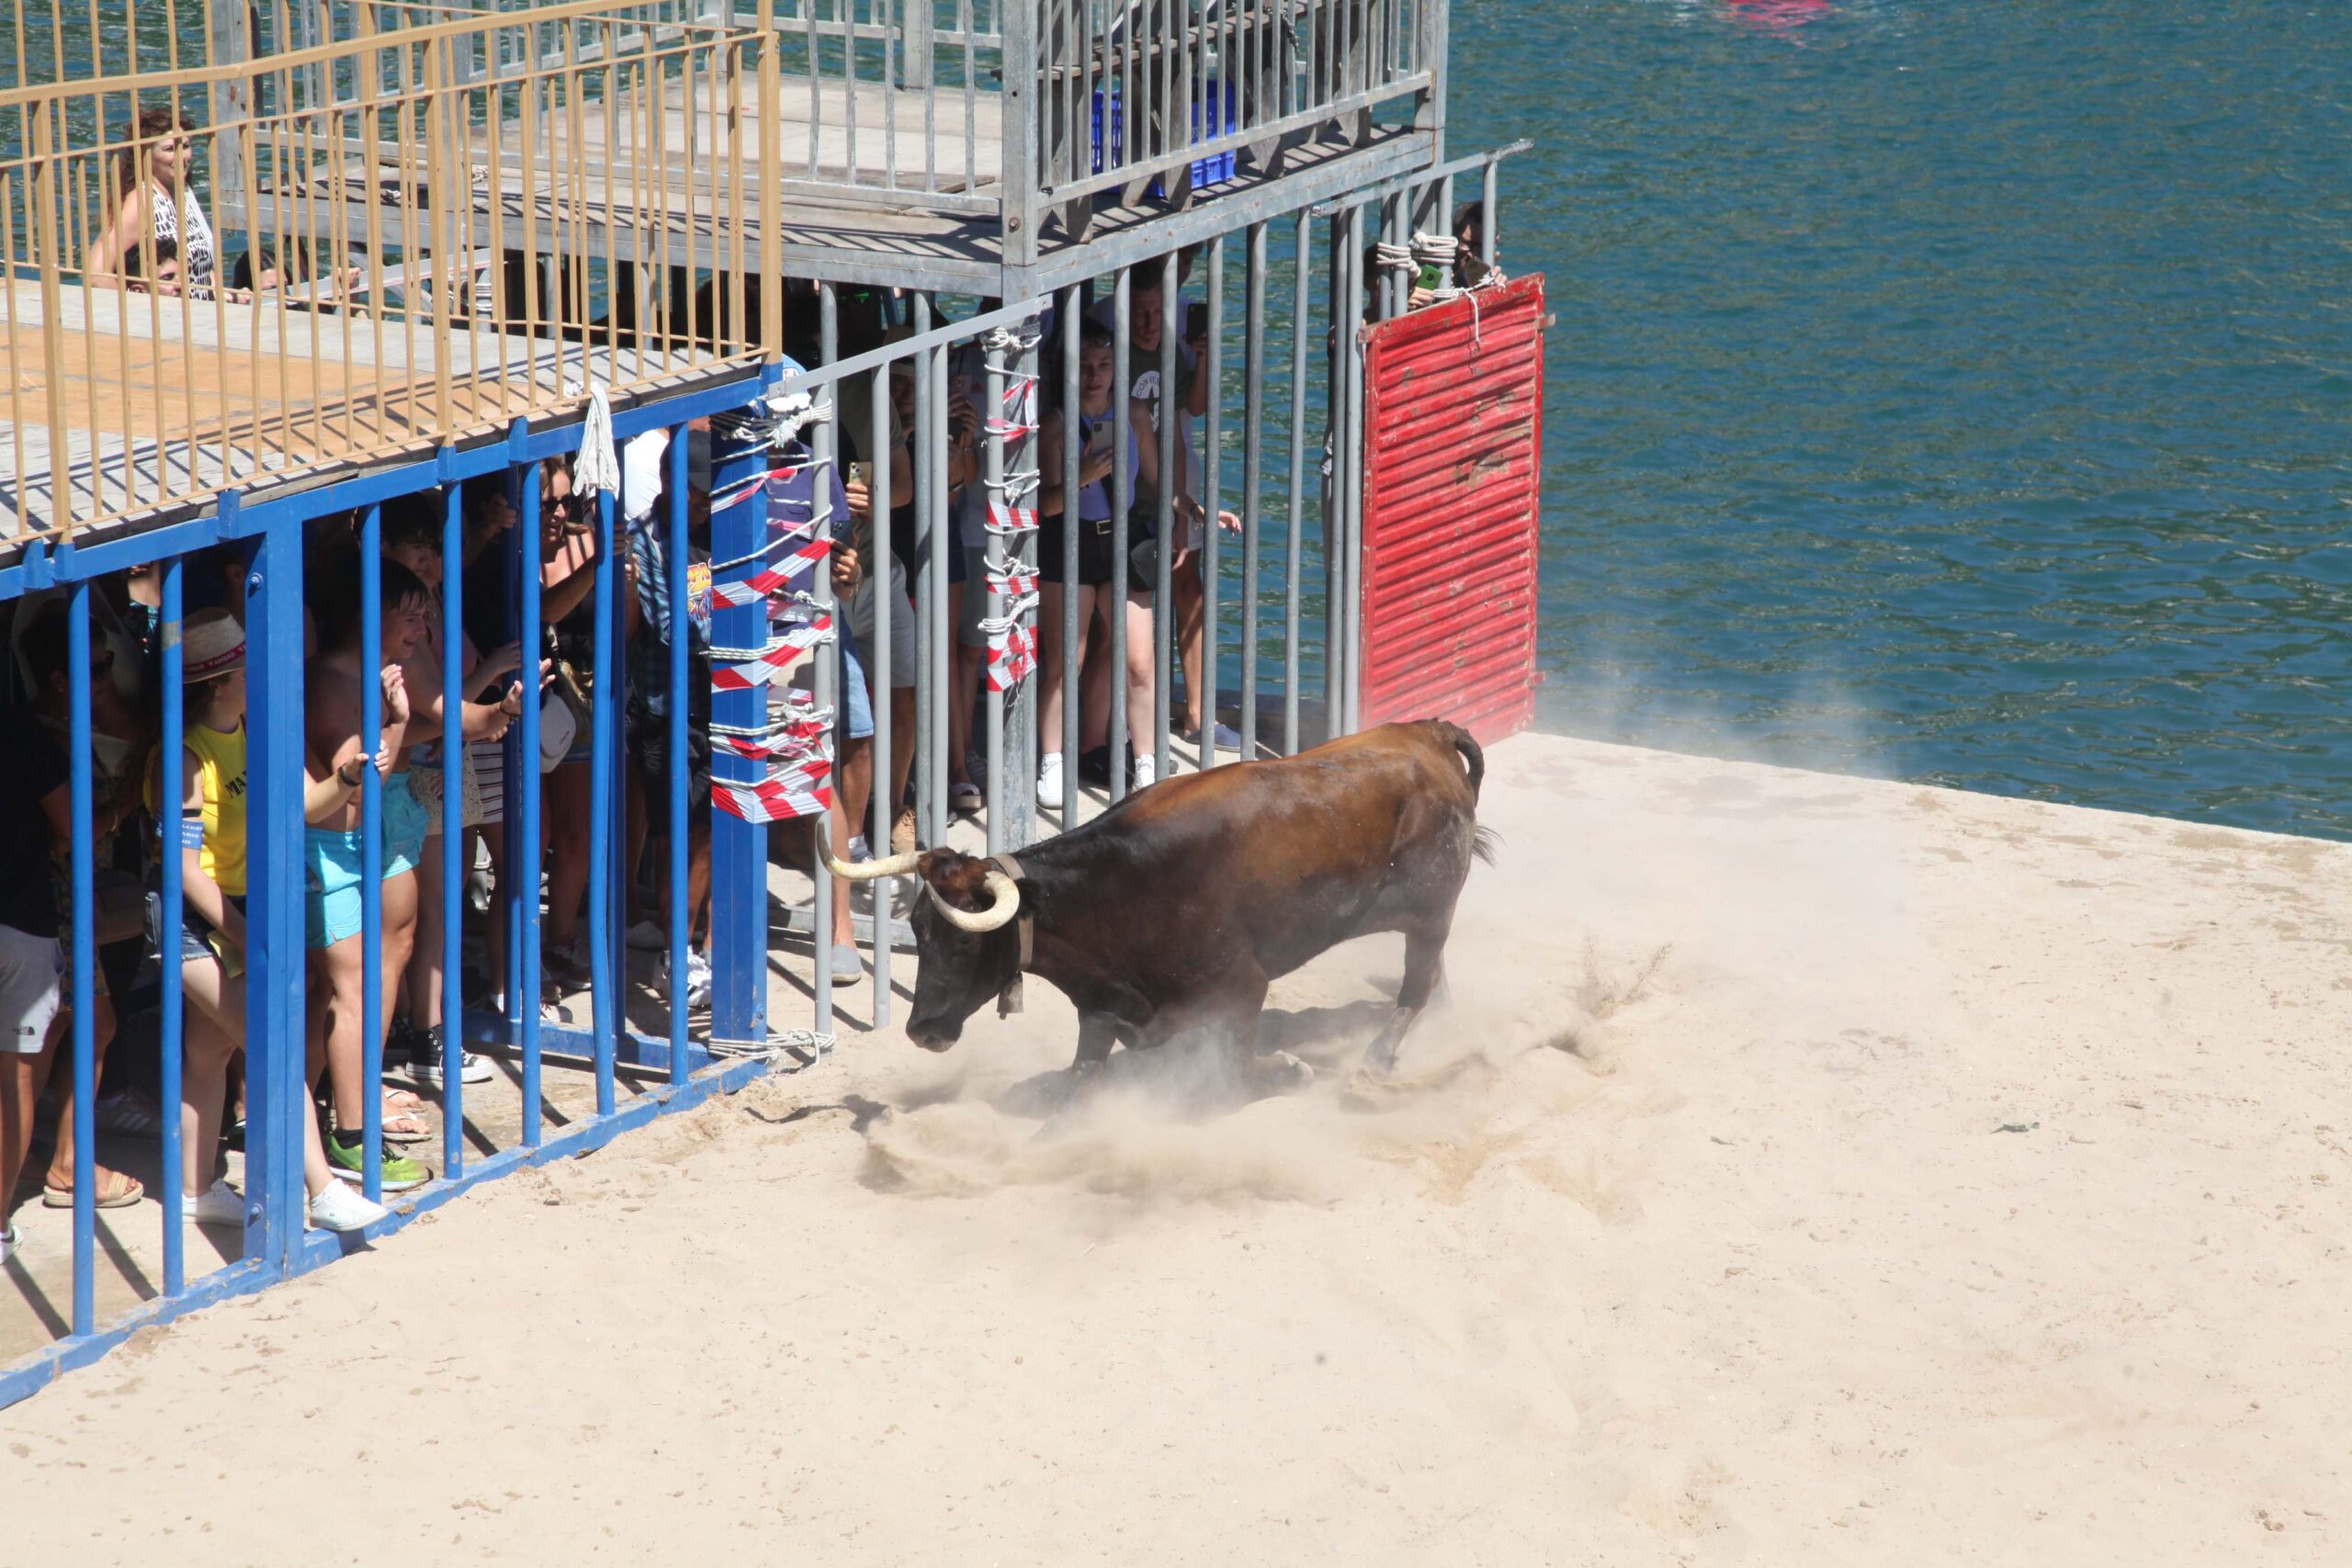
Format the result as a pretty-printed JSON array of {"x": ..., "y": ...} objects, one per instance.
[{"x": 221, "y": 761}]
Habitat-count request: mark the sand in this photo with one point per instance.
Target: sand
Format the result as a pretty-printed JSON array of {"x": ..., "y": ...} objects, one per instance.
[{"x": 1810, "y": 1170}]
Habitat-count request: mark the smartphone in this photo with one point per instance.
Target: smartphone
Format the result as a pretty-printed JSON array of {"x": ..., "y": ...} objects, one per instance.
[
  {"x": 861, "y": 474},
  {"x": 1196, "y": 321}
]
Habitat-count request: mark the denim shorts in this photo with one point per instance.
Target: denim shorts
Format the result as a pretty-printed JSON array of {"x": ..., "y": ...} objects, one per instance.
[{"x": 857, "y": 709}]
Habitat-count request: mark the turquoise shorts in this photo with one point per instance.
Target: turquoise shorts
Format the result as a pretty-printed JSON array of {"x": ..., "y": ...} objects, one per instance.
[
  {"x": 406, "y": 827},
  {"x": 333, "y": 908}
]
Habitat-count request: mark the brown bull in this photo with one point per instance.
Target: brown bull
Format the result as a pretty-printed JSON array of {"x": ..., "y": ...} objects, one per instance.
[{"x": 1173, "y": 910}]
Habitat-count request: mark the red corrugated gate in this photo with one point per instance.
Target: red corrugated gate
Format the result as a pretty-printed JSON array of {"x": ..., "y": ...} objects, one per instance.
[{"x": 1454, "y": 412}]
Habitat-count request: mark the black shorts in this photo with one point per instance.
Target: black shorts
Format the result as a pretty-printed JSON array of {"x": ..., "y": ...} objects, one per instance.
[{"x": 1095, "y": 557}]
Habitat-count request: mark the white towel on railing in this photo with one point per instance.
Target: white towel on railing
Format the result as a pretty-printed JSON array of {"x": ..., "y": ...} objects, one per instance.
[{"x": 597, "y": 468}]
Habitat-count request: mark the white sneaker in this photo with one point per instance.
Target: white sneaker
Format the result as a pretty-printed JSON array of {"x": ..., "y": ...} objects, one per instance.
[
  {"x": 647, "y": 937},
  {"x": 218, "y": 1204},
  {"x": 343, "y": 1208},
  {"x": 858, "y": 851},
  {"x": 1146, "y": 771},
  {"x": 1049, "y": 781},
  {"x": 8, "y": 1243},
  {"x": 697, "y": 981}
]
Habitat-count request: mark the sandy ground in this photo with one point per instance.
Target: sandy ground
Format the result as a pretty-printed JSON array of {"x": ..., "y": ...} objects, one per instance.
[{"x": 1810, "y": 1170}]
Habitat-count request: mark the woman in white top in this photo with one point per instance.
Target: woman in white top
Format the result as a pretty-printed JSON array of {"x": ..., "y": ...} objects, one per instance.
[{"x": 158, "y": 203}]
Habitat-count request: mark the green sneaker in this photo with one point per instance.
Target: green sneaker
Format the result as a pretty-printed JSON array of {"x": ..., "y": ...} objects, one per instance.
[{"x": 399, "y": 1173}]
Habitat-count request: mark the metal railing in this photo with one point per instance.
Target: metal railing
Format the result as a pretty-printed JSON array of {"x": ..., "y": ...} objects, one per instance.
[{"x": 431, "y": 252}]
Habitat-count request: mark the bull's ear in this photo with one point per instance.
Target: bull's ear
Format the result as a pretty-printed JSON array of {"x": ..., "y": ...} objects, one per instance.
[{"x": 957, "y": 877}]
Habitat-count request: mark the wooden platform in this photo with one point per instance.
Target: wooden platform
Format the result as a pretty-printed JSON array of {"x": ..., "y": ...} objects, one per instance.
[{"x": 159, "y": 404}]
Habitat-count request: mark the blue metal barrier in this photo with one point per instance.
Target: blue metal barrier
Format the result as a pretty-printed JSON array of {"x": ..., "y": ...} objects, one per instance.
[{"x": 279, "y": 1050}]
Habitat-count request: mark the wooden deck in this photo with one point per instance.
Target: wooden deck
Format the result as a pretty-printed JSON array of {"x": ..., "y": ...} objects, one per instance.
[{"x": 157, "y": 404}]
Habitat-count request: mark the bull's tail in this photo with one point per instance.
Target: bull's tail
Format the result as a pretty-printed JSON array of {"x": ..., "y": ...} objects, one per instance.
[
  {"x": 1473, "y": 755},
  {"x": 1474, "y": 758}
]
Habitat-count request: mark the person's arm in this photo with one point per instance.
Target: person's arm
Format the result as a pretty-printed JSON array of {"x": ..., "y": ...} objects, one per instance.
[
  {"x": 1092, "y": 465},
  {"x": 203, "y": 893},
  {"x": 1196, "y": 395},
  {"x": 104, "y": 263},
  {"x": 503, "y": 660},
  {"x": 566, "y": 577}
]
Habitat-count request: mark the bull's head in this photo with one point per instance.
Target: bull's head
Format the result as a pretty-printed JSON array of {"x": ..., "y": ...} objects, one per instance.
[{"x": 965, "y": 950}]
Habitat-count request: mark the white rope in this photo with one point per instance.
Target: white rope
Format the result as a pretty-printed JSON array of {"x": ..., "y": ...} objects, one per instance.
[
  {"x": 789, "y": 412},
  {"x": 815, "y": 1043}
]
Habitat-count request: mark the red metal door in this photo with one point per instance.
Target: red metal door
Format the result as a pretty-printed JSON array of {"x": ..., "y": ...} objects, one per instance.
[{"x": 1453, "y": 413}]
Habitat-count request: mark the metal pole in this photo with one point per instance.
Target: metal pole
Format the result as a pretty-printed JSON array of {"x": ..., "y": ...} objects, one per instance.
[
  {"x": 1486, "y": 212},
  {"x": 992, "y": 474},
  {"x": 947, "y": 535},
  {"x": 1302, "y": 272},
  {"x": 1122, "y": 499},
  {"x": 525, "y": 856},
  {"x": 884, "y": 803},
  {"x": 1348, "y": 459},
  {"x": 1166, "y": 415},
  {"x": 675, "y": 559},
  {"x": 1022, "y": 831},
  {"x": 276, "y": 1092},
  {"x": 1212, "y": 499},
  {"x": 828, "y": 677},
  {"x": 602, "y": 978},
  {"x": 372, "y": 855},
  {"x": 83, "y": 939},
  {"x": 1253, "y": 445},
  {"x": 929, "y": 582},
  {"x": 168, "y": 798},
  {"x": 454, "y": 865},
  {"x": 1072, "y": 632}
]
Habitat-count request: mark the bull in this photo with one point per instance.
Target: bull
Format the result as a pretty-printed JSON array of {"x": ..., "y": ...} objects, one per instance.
[{"x": 1174, "y": 910}]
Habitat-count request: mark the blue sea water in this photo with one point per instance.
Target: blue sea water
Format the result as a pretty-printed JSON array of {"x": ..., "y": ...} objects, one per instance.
[{"x": 1955, "y": 392}]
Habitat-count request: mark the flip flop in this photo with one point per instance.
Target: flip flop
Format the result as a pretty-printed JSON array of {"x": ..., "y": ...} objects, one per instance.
[
  {"x": 120, "y": 1197},
  {"x": 407, "y": 1127}
]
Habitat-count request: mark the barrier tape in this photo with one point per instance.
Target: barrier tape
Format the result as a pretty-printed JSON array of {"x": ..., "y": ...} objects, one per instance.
[
  {"x": 775, "y": 800},
  {"x": 1009, "y": 519}
]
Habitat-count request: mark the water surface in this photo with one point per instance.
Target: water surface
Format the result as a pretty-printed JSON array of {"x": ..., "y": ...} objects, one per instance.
[{"x": 1953, "y": 392}]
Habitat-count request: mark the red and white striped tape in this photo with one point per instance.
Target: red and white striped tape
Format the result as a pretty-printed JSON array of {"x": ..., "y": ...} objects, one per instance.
[
  {"x": 1004, "y": 519},
  {"x": 749, "y": 674},
  {"x": 1013, "y": 657},
  {"x": 751, "y": 589},
  {"x": 775, "y": 800}
]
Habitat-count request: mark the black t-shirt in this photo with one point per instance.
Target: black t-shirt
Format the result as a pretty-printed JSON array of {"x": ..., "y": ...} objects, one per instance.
[{"x": 31, "y": 766}]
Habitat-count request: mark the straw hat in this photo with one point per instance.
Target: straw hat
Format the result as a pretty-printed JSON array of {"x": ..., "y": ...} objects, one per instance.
[{"x": 211, "y": 644}]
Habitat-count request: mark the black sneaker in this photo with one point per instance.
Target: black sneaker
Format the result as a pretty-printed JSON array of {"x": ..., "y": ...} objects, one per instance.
[{"x": 1095, "y": 768}]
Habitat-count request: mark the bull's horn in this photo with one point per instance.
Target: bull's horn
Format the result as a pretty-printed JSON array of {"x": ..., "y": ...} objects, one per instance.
[
  {"x": 1008, "y": 904},
  {"x": 873, "y": 870}
]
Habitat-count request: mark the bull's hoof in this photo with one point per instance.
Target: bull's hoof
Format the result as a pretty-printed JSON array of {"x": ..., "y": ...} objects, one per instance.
[{"x": 1279, "y": 1072}]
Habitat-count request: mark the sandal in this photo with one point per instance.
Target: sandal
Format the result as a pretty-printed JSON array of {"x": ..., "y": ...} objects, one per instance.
[
  {"x": 124, "y": 1191},
  {"x": 406, "y": 1127},
  {"x": 964, "y": 796}
]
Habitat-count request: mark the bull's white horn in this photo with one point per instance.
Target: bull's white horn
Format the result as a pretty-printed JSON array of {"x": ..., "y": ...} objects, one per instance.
[
  {"x": 1008, "y": 904},
  {"x": 873, "y": 870}
]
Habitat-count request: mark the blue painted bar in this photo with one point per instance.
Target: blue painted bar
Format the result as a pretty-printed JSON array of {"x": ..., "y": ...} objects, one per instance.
[
  {"x": 84, "y": 1000},
  {"x": 371, "y": 851},
  {"x": 675, "y": 503},
  {"x": 523, "y": 801},
  {"x": 603, "y": 973},
  {"x": 454, "y": 864},
  {"x": 175, "y": 1001},
  {"x": 276, "y": 1085},
  {"x": 738, "y": 850}
]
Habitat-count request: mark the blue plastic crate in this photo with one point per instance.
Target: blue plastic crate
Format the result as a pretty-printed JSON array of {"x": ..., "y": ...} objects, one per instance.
[{"x": 1212, "y": 115}]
